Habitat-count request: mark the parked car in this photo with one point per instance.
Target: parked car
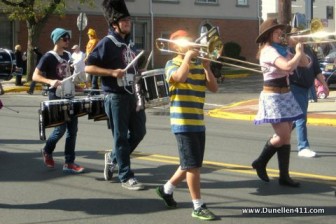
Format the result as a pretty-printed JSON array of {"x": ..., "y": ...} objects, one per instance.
[
  {"x": 328, "y": 62},
  {"x": 328, "y": 67},
  {"x": 7, "y": 64}
]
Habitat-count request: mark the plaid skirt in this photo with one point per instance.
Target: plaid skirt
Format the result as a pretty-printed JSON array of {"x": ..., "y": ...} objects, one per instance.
[{"x": 276, "y": 108}]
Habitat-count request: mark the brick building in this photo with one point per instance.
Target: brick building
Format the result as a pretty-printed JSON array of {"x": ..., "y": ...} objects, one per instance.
[{"x": 237, "y": 20}]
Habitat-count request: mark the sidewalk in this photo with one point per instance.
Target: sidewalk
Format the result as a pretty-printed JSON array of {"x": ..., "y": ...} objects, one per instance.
[
  {"x": 322, "y": 112},
  {"x": 10, "y": 87}
]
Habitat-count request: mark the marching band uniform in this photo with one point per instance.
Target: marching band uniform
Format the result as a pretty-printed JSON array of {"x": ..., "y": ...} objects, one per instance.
[
  {"x": 113, "y": 53},
  {"x": 52, "y": 68}
]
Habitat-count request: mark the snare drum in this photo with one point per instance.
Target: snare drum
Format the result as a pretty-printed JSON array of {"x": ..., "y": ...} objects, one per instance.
[
  {"x": 97, "y": 109},
  {"x": 55, "y": 112},
  {"x": 154, "y": 84},
  {"x": 80, "y": 106}
]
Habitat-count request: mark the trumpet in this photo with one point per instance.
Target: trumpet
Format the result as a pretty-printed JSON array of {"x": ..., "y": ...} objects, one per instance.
[{"x": 207, "y": 51}]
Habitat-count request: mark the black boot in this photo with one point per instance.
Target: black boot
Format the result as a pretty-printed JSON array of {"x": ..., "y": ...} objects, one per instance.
[
  {"x": 283, "y": 159},
  {"x": 18, "y": 81},
  {"x": 2, "y": 91},
  {"x": 260, "y": 163}
]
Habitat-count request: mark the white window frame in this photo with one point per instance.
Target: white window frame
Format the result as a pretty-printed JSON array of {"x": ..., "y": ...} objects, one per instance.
[
  {"x": 243, "y": 3},
  {"x": 166, "y": 1},
  {"x": 206, "y": 1}
]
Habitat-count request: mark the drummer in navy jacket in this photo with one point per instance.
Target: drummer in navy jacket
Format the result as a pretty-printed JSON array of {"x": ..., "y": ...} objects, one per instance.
[
  {"x": 109, "y": 60},
  {"x": 52, "y": 69}
]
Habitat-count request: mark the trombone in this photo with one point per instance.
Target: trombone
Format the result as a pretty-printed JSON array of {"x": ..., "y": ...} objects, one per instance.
[
  {"x": 316, "y": 37},
  {"x": 207, "y": 51},
  {"x": 317, "y": 33}
]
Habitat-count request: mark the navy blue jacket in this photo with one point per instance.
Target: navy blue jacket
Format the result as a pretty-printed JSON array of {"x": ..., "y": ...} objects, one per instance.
[
  {"x": 108, "y": 55},
  {"x": 304, "y": 77}
]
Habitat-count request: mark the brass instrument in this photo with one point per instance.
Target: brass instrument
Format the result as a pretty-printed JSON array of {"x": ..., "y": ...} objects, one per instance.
[
  {"x": 316, "y": 25},
  {"x": 317, "y": 38},
  {"x": 207, "y": 51},
  {"x": 316, "y": 33}
]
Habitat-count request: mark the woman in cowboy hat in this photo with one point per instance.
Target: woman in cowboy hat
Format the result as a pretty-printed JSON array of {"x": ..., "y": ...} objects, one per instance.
[{"x": 277, "y": 105}]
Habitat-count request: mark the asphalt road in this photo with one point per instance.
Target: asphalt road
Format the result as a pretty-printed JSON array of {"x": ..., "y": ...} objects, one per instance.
[{"x": 30, "y": 193}]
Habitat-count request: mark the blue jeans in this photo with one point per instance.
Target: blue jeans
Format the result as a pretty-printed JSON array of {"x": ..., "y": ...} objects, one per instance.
[
  {"x": 70, "y": 128},
  {"x": 128, "y": 129},
  {"x": 301, "y": 96},
  {"x": 312, "y": 93}
]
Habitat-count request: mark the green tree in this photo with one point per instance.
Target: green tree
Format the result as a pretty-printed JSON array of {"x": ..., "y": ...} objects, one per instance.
[{"x": 36, "y": 14}]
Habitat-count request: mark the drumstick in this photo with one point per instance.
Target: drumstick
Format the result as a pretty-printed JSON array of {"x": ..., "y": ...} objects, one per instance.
[
  {"x": 148, "y": 60},
  {"x": 71, "y": 76},
  {"x": 66, "y": 79},
  {"x": 134, "y": 60},
  {"x": 11, "y": 109}
]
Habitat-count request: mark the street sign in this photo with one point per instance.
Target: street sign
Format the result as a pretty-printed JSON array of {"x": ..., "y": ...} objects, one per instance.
[{"x": 82, "y": 21}]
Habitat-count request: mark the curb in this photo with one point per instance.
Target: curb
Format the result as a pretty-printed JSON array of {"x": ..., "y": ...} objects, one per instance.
[
  {"x": 231, "y": 112},
  {"x": 15, "y": 89},
  {"x": 236, "y": 76}
]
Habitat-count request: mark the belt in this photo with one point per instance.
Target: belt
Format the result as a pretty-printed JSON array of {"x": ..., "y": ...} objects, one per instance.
[{"x": 273, "y": 89}]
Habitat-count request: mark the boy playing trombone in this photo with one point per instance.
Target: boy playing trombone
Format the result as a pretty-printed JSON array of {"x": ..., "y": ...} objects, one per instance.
[{"x": 188, "y": 79}]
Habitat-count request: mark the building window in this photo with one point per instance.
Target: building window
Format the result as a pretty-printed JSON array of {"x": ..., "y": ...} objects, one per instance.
[
  {"x": 206, "y": 1},
  {"x": 6, "y": 33},
  {"x": 242, "y": 3},
  {"x": 139, "y": 35},
  {"x": 330, "y": 12},
  {"x": 166, "y": 1}
]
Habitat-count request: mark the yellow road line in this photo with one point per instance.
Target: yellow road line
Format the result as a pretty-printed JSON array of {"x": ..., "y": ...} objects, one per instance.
[{"x": 229, "y": 167}]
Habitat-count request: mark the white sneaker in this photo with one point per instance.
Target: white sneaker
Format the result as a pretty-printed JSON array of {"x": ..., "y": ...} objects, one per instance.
[
  {"x": 108, "y": 167},
  {"x": 306, "y": 153},
  {"x": 133, "y": 184}
]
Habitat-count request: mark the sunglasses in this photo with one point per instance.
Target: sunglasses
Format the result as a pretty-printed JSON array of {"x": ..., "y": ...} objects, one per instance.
[{"x": 65, "y": 39}]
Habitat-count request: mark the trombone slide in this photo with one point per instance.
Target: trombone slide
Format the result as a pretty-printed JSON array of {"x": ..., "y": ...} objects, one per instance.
[{"x": 163, "y": 46}]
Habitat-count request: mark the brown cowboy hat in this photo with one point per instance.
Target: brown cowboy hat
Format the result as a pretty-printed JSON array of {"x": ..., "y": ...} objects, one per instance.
[{"x": 268, "y": 26}]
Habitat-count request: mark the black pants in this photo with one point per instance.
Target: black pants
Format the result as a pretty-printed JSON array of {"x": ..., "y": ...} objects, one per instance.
[{"x": 18, "y": 79}]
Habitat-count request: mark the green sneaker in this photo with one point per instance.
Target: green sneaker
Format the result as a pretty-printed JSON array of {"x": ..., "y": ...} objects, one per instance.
[{"x": 203, "y": 213}]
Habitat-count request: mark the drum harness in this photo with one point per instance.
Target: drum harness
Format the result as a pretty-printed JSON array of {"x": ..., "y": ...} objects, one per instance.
[
  {"x": 67, "y": 89},
  {"x": 135, "y": 84}
]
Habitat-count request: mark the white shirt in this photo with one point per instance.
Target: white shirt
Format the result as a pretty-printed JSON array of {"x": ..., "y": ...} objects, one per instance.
[{"x": 78, "y": 62}]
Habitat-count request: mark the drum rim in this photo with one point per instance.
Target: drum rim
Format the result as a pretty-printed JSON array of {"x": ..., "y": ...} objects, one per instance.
[
  {"x": 96, "y": 97},
  {"x": 47, "y": 102},
  {"x": 158, "y": 71},
  {"x": 81, "y": 99}
]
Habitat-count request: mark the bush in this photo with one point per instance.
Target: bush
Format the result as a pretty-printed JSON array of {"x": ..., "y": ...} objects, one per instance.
[{"x": 232, "y": 50}]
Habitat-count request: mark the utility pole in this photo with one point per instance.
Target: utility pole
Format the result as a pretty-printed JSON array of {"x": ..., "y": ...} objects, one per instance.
[
  {"x": 309, "y": 11},
  {"x": 285, "y": 11}
]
